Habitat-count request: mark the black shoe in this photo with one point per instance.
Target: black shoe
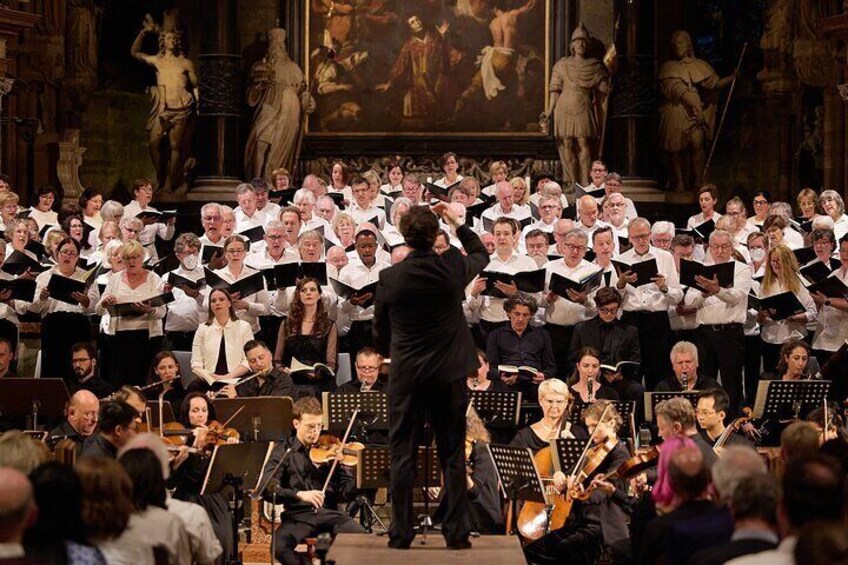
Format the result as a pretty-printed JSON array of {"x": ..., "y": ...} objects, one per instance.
[
  {"x": 458, "y": 545},
  {"x": 397, "y": 543}
]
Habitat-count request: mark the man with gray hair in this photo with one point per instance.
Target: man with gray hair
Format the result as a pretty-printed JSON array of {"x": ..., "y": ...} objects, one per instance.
[
  {"x": 721, "y": 314},
  {"x": 737, "y": 462},
  {"x": 687, "y": 378},
  {"x": 662, "y": 233},
  {"x": 246, "y": 213}
]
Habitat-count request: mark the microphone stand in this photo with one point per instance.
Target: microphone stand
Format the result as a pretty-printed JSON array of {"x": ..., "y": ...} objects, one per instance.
[{"x": 273, "y": 483}]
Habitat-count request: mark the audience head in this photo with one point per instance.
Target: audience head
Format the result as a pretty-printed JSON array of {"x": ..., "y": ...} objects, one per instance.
[
  {"x": 19, "y": 451},
  {"x": 822, "y": 543},
  {"x": 58, "y": 495},
  {"x": 664, "y": 493},
  {"x": 754, "y": 498},
  {"x": 689, "y": 474},
  {"x": 153, "y": 443},
  {"x": 107, "y": 497},
  {"x": 17, "y": 505},
  {"x": 799, "y": 440},
  {"x": 145, "y": 472},
  {"x": 813, "y": 490},
  {"x": 737, "y": 462}
]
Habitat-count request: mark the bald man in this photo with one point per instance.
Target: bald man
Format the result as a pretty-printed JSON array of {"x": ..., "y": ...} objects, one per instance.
[
  {"x": 17, "y": 513},
  {"x": 80, "y": 420}
]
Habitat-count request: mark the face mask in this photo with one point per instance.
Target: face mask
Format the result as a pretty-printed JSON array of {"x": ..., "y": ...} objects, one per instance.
[
  {"x": 190, "y": 262},
  {"x": 758, "y": 254}
]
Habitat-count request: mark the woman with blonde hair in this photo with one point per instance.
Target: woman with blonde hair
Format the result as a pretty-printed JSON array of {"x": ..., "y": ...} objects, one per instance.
[
  {"x": 781, "y": 275},
  {"x": 556, "y": 402}
]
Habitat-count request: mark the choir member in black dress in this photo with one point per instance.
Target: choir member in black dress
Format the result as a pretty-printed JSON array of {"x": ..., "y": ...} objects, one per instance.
[
  {"x": 187, "y": 478},
  {"x": 310, "y": 336},
  {"x": 309, "y": 510},
  {"x": 599, "y": 521}
]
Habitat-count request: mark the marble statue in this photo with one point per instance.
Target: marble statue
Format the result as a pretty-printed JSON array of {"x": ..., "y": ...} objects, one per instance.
[
  {"x": 578, "y": 83},
  {"x": 174, "y": 105},
  {"x": 279, "y": 94}
]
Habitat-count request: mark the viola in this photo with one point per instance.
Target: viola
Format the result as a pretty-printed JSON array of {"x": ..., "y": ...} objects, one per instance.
[
  {"x": 219, "y": 434},
  {"x": 328, "y": 448}
]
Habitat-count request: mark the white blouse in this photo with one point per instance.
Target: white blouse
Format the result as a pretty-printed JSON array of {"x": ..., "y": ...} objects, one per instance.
[
  {"x": 207, "y": 345},
  {"x": 51, "y": 305},
  {"x": 117, "y": 287}
]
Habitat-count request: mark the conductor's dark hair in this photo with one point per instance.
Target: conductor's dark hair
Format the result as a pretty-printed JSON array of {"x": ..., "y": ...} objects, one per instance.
[
  {"x": 114, "y": 414},
  {"x": 419, "y": 227},
  {"x": 145, "y": 471},
  {"x": 721, "y": 401}
]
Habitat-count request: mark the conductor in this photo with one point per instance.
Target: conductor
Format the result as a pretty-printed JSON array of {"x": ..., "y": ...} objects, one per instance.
[{"x": 419, "y": 324}]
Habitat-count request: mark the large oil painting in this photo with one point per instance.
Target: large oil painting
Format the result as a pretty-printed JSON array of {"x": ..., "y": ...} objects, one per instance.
[{"x": 426, "y": 66}]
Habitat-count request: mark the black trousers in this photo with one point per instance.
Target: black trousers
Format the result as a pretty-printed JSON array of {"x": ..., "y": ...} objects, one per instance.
[
  {"x": 59, "y": 331},
  {"x": 655, "y": 342},
  {"x": 722, "y": 350},
  {"x": 443, "y": 404},
  {"x": 359, "y": 336},
  {"x": 577, "y": 543},
  {"x": 270, "y": 326},
  {"x": 178, "y": 341},
  {"x": 561, "y": 342},
  {"x": 293, "y": 531},
  {"x": 132, "y": 355},
  {"x": 753, "y": 367}
]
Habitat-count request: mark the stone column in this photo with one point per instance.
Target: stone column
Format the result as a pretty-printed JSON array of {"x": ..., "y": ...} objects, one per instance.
[
  {"x": 217, "y": 140},
  {"x": 632, "y": 123}
]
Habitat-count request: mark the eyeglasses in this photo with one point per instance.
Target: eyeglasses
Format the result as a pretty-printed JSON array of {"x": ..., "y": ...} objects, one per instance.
[
  {"x": 68, "y": 253},
  {"x": 273, "y": 237},
  {"x": 638, "y": 236},
  {"x": 548, "y": 207},
  {"x": 235, "y": 251},
  {"x": 705, "y": 412},
  {"x": 760, "y": 202},
  {"x": 572, "y": 247},
  {"x": 367, "y": 369},
  {"x": 720, "y": 247},
  {"x": 608, "y": 310}
]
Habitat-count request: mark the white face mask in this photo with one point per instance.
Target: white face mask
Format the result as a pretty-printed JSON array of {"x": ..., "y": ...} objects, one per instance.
[
  {"x": 190, "y": 262},
  {"x": 758, "y": 254}
]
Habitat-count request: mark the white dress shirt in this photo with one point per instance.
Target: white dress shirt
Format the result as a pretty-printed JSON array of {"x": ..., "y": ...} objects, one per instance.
[
  {"x": 517, "y": 212},
  {"x": 262, "y": 260},
  {"x": 361, "y": 215},
  {"x": 185, "y": 313},
  {"x": 257, "y": 303},
  {"x": 207, "y": 345},
  {"x": 840, "y": 227},
  {"x": 490, "y": 308},
  {"x": 355, "y": 274},
  {"x": 48, "y": 218},
  {"x": 699, "y": 218},
  {"x": 205, "y": 547},
  {"x": 729, "y": 305},
  {"x": 10, "y": 311},
  {"x": 152, "y": 527},
  {"x": 648, "y": 298},
  {"x": 831, "y": 324},
  {"x": 776, "y": 332},
  {"x": 245, "y": 222},
  {"x": 148, "y": 234},
  {"x": 561, "y": 311}
]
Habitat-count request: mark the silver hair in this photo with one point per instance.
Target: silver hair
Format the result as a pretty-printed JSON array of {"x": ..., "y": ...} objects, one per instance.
[
  {"x": 661, "y": 227},
  {"x": 737, "y": 462}
]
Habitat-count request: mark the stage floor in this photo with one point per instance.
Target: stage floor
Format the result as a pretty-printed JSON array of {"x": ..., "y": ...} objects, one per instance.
[{"x": 350, "y": 549}]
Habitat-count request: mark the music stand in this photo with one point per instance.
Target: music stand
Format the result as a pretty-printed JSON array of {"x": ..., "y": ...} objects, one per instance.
[
  {"x": 263, "y": 418},
  {"x": 654, "y": 398},
  {"x": 373, "y": 409},
  {"x": 497, "y": 409},
  {"x": 167, "y": 411},
  {"x": 626, "y": 409},
  {"x": 373, "y": 464},
  {"x": 231, "y": 467},
  {"x": 787, "y": 400},
  {"x": 517, "y": 474},
  {"x": 29, "y": 398},
  {"x": 566, "y": 452}
]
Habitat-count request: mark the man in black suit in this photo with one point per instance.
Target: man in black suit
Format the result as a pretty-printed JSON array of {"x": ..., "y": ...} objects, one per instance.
[
  {"x": 754, "y": 509},
  {"x": 419, "y": 323}
]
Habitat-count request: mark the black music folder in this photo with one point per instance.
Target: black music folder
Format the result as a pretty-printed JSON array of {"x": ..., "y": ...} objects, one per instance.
[
  {"x": 784, "y": 305},
  {"x": 22, "y": 289},
  {"x": 18, "y": 262},
  {"x": 690, "y": 269},
  {"x": 560, "y": 285},
  {"x": 526, "y": 281},
  {"x": 180, "y": 281},
  {"x": 816, "y": 271},
  {"x": 245, "y": 287},
  {"x": 253, "y": 234},
  {"x": 832, "y": 287},
  {"x": 644, "y": 271},
  {"x": 209, "y": 251},
  {"x": 348, "y": 292}
]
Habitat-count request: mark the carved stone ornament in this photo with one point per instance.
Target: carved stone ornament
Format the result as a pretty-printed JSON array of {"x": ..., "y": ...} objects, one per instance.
[{"x": 70, "y": 160}]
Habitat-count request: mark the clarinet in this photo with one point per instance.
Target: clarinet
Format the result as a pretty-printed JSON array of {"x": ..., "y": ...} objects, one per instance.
[{"x": 685, "y": 382}]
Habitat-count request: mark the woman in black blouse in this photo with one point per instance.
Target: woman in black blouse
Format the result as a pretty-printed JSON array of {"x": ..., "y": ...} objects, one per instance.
[
  {"x": 309, "y": 336},
  {"x": 585, "y": 383},
  {"x": 556, "y": 401}
]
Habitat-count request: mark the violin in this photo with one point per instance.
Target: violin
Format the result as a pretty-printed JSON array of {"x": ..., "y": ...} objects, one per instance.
[
  {"x": 328, "y": 448},
  {"x": 219, "y": 434}
]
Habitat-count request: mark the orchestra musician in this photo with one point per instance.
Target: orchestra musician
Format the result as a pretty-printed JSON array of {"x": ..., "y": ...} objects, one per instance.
[
  {"x": 599, "y": 520},
  {"x": 713, "y": 407},
  {"x": 555, "y": 400},
  {"x": 368, "y": 363},
  {"x": 299, "y": 486},
  {"x": 266, "y": 380},
  {"x": 585, "y": 383},
  {"x": 80, "y": 420}
]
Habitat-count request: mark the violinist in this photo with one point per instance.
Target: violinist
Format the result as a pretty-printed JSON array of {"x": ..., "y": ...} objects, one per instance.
[
  {"x": 585, "y": 383},
  {"x": 299, "y": 486},
  {"x": 556, "y": 401},
  {"x": 599, "y": 520},
  {"x": 711, "y": 412},
  {"x": 196, "y": 413},
  {"x": 265, "y": 379}
]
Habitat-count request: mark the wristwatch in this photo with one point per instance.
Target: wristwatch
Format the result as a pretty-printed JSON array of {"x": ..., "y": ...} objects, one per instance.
[{"x": 827, "y": 302}]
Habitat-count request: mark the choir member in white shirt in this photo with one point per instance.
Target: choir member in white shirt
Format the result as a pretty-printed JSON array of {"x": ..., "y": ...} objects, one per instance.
[
  {"x": 340, "y": 181},
  {"x": 741, "y": 229},
  {"x": 362, "y": 209},
  {"x": 662, "y": 233},
  {"x": 143, "y": 194},
  {"x": 399, "y": 207},
  {"x": 832, "y": 321},
  {"x": 505, "y": 206},
  {"x": 249, "y": 308},
  {"x": 603, "y": 244},
  {"x": 561, "y": 227},
  {"x": 794, "y": 238},
  {"x": 707, "y": 200},
  {"x": 62, "y": 324},
  {"x": 550, "y": 211},
  {"x": 113, "y": 263},
  {"x": 824, "y": 245},
  {"x": 212, "y": 220},
  {"x": 614, "y": 214},
  {"x": 782, "y": 276},
  {"x": 217, "y": 352},
  {"x": 9, "y": 307},
  {"x": 337, "y": 259},
  {"x": 292, "y": 223},
  {"x": 8, "y": 209},
  {"x": 394, "y": 180},
  {"x": 131, "y": 228},
  {"x": 304, "y": 201},
  {"x": 270, "y": 210},
  {"x": 536, "y": 243},
  {"x": 681, "y": 317},
  {"x": 831, "y": 203},
  {"x": 646, "y": 306},
  {"x": 450, "y": 165},
  {"x": 777, "y": 228},
  {"x": 413, "y": 190},
  {"x": 186, "y": 311},
  {"x": 612, "y": 185},
  {"x": 90, "y": 201},
  {"x": 597, "y": 174},
  {"x": 507, "y": 260},
  {"x": 562, "y": 313},
  {"x": 247, "y": 215},
  {"x": 42, "y": 212},
  {"x": 588, "y": 220},
  {"x": 377, "y": 198},
  {"x": 274, "y": 252},
  {"x": 111, "y": 211},
  {"x": 359, "y": 310},
  {"x": 228, "y": 225},
  {"x": 721, "y": 316},
  {"x": 344, "y": 230},
  {"x": 757, "y": 245},
  {"x": 137, "y": 336},
  {"x": 325, "y": 209},
  {"x": 281, "y": 179},
  {"x": 498, "y": 171},
  {"x": 72, "y": 226},
  {"x": 550, "y": 189},
  {"x": 762, "y": 199}
]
